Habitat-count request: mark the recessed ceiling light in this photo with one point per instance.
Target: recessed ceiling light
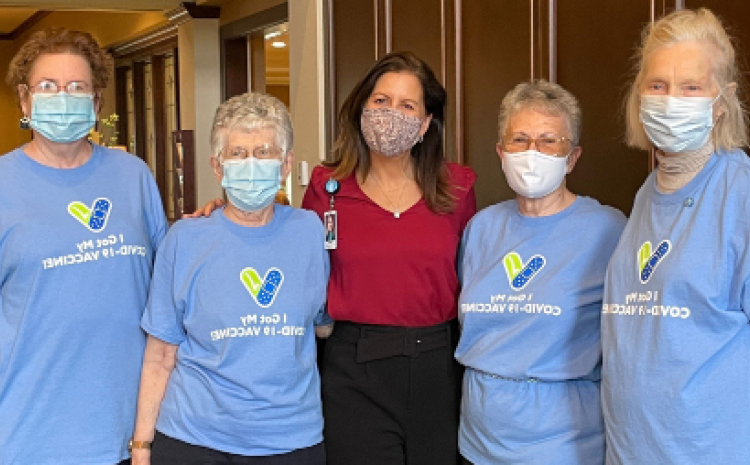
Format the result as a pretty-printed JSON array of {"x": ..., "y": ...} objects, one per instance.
[{"x": 278, "y": 44}]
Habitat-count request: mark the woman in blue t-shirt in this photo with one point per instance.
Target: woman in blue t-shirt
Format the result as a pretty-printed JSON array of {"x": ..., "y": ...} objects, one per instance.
[
  {"x": 229, "y": 369},
  {"x": 675, "y": 333},
  {"x": 79, "y": 226},
  {"x": 532, "y": 272}
]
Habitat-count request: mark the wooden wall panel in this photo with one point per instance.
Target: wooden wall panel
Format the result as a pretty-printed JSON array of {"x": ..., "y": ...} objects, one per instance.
[
  {"x": 496, "y": 57},
  {"x": 427, "y": 28},
  {"x": 417, "y": 26},
  {"x": 139, "y": 91},
  {"x": 353, "y": 45},
  {"x": 235, "y": 67},
  {"x": 594, "y": 63}
]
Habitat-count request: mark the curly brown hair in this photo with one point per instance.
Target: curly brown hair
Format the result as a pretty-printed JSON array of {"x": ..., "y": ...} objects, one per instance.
[{"x": 60, "y": 40}]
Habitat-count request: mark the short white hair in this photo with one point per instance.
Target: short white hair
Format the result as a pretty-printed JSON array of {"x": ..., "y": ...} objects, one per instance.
[
  {"x": 249, "y": 112},
  {"x": 544, "y": 96}
]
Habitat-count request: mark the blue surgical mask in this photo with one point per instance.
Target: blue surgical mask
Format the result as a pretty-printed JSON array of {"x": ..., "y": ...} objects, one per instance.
[
  {"x": 251, "y": 184},
  {"x": 677, "y": 124},
  {"x": 62, "y": 117}
]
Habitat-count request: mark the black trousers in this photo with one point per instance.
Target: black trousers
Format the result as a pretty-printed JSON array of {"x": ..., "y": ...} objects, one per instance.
[
  {"x": 169, "y": 451},
  {"x": 391, "y": 395}
]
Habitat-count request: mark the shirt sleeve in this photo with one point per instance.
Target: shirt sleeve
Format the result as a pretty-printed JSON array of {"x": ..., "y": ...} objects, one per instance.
[
  {"x": 461, "y": 257},
  {"x": 165, "y": 310},
  {"x": 153, "y": 211},
  {"x": 469, "y": 207},
  {"x": 463, "y": 179},
  {"x": 741, "y": 242},
  {"x": 323, "y": 318},
  {"x": 315, "y": 198},
  {"x": 744, "y": 269}
]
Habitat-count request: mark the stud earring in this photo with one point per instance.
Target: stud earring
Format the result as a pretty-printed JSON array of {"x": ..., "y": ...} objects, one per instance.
[{"x": 25, "y": 122}]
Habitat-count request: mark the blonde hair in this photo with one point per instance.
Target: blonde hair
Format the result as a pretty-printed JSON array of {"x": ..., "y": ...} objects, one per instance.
[
  {"x": 701, "y": 26},
  {"x": 544, "y": 96},
  {"x": 248, "y": 112}
]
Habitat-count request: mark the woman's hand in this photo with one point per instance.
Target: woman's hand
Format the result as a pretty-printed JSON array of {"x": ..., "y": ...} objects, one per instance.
[
  {"x": 207, "y": 209},
  {"x": 159, "y": 360},
  {"x": 323, "y": 332}
]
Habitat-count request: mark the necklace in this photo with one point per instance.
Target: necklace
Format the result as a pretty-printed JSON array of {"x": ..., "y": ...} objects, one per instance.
[{"x": 395, "y": 207}]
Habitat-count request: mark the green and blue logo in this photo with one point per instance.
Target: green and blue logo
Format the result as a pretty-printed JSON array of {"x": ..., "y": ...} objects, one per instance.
[
  {"x": 94, "y": 217},
  {"x": 519, "y": 273},
  {"x": 648, "y": 260},
  {"x": 264, "y": 290}
]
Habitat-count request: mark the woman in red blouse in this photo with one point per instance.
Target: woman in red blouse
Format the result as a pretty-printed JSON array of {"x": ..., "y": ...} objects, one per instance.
[{"x": 390, "y": 383}]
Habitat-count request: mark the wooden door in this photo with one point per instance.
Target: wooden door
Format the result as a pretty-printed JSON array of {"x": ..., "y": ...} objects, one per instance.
[{"x": 595, "y": 43}]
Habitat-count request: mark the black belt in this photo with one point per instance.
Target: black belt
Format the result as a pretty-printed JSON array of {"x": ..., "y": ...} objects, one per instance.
[{"x": 376, "y": 342}]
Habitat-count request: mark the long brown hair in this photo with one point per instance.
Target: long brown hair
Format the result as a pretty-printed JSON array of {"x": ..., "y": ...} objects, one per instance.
[{"x": 350, "y": 152}]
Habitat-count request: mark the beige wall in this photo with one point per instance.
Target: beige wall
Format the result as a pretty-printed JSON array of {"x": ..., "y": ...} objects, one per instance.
[
  {"x": 200, "y": 80},
  {"x": 307, "y": 90},
  {"x": 107, "y": 28}
]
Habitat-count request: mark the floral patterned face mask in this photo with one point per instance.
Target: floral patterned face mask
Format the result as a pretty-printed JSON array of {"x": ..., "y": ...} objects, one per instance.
[{"x": 389, "y": 132}]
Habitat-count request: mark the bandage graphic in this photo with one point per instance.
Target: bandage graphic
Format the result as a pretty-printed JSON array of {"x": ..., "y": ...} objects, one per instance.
[
  {"x": 647, "y": 261},
  {"x": 94, "y": 218},
  {"x": 263, "y": 290},
  {"x": 519, "y": 274}
]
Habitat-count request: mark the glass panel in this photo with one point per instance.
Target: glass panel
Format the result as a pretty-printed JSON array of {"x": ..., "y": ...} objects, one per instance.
[
  {"x": 149, "y": 110},
  {"x": 277, "y": 72},
  {"x": 170, "y": 125},
  {"x": 131, "y": 111}
]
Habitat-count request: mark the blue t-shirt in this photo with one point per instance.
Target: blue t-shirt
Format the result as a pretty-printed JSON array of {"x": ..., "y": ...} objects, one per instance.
[
  {"x": 529, "y": 308},
  {"x": 76, "y": 255},
  {"x": 241, "y": 302},
  {"x": 675, "y": 333}
]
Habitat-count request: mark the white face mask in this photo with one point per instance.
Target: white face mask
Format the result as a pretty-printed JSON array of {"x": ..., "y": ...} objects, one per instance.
[
  {"x": 533, "y": 174},
  {"x": 677, "y": 124}
]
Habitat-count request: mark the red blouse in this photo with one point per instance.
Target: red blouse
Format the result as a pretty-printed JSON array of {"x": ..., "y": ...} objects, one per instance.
[{"x": 393, "y": 271}]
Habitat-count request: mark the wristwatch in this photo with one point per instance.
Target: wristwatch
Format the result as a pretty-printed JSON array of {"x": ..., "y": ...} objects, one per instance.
[{"x": 138, "y": 445}]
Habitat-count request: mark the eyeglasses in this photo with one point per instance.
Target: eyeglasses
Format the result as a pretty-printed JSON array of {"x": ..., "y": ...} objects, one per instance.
[
  {"x": 261, "y": 152},
  {"x": 548, "y": 144},
  {"x": 50, "y": 87}
]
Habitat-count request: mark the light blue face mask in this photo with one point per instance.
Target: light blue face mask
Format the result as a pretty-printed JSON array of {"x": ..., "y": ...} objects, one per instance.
[
  {"x": 251, "y": 184},
  {"x": 62, "y": 117},
  {"x": 677, "y": 124}
]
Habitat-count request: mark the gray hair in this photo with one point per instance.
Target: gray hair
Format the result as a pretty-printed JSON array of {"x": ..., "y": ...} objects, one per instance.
[
  {"x": 701, "y": 26},
  {"x": 248, "y": 112},
  {"x": 544, "y": 96}
]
